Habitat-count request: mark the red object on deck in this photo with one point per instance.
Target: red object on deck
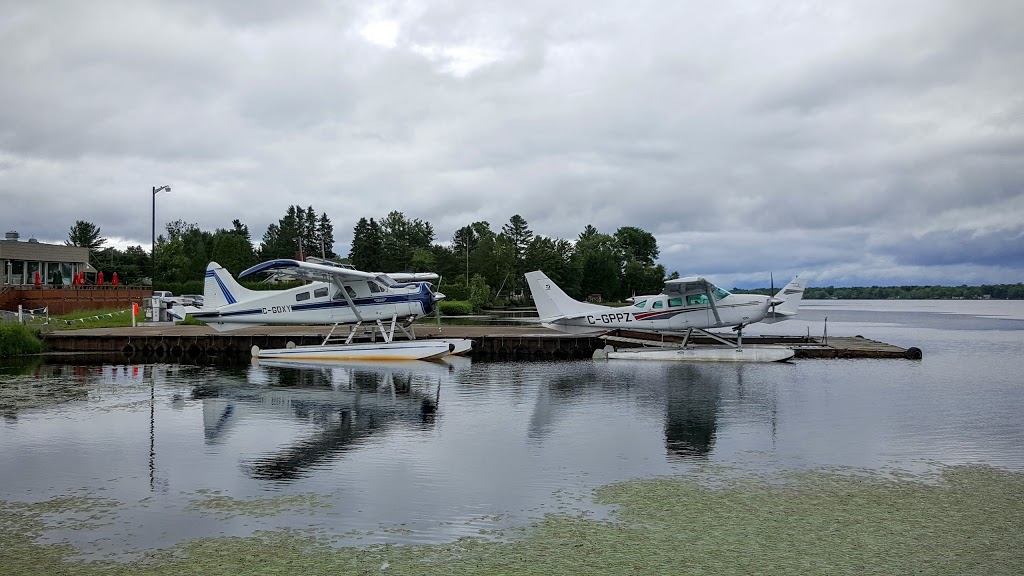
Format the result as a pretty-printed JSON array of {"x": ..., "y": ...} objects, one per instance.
[
  {"x": 99, "y": 278},
  {"x": 37, "y": 280},
  {"x": 113, "y": 281}
]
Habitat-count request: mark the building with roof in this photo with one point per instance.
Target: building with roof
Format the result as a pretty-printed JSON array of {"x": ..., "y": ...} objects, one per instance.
[{"x": 56, "y": 263}]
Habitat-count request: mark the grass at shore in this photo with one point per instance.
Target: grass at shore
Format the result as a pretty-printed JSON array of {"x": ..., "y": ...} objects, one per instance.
[
  {"x": 108, "y": 318},
  {"x": 17, "y": 340},
  {"x": 967, "y": 522}
]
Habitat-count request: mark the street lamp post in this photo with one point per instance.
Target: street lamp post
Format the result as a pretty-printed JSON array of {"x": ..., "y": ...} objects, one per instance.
[{"x": 152, "y": 246}]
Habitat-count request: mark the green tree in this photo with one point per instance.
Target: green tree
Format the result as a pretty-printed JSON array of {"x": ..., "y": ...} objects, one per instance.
[
  {"x": 241, "y": 229},
  {"x": 184, "y": 253},
  {"x": 638, "y": 278},
  {"x": 519, "y": 237},
  {"x": 599, "y": 263},
  {"x": 85, "y": 234},
  {"x": 400, "y": 237},
  {"x": 232, "y": 251},
  {"x": 299, "y": 231},
  {"x": 637, "y": 244},
  {"x": 367, "y": 246},
  {"x": 325, "y": 234}
]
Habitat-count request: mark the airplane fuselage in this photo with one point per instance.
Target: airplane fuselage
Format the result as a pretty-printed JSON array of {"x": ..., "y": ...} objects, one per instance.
[
  {"x": 666, "y": 313},
  {"x": 324, "y": 302}
]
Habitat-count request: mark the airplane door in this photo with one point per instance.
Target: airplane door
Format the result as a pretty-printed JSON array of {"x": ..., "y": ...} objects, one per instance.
[
  {"x": 695, "y": 313},
  {"x": 379, "y": 306},
  {"x": 340, "y": 310}
]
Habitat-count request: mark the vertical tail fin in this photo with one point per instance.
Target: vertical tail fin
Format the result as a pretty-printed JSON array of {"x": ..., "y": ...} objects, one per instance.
[
  {"x": 790, "y": 295},
  {"x": 552, "y": 303},
  {"x": 220, "y": 289}
]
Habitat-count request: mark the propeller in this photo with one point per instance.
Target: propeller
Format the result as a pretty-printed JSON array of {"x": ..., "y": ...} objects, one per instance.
[
  {"x": 773, "y": 301},
  {"x": 437, "y": 307}
]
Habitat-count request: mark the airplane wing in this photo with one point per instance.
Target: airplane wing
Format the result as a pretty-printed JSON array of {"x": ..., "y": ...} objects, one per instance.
[
  {"x": 308, "y": 271},
  {"x": 688, "y": 283},
  {"x": 412, "y": 276}
]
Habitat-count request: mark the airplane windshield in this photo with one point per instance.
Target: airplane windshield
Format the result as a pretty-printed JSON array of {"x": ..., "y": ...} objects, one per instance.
[
  {"x": 386, "y": 280},
  {"x": 718, "y": 293}
]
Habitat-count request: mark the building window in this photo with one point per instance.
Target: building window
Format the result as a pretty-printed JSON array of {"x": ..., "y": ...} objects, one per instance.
[{"x": 17, "y": 272}]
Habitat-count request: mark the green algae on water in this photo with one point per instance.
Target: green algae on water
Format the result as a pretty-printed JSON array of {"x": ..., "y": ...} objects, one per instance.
[
  {"x": 213, "y": 502},
  {"x": 969, "y": 521}
]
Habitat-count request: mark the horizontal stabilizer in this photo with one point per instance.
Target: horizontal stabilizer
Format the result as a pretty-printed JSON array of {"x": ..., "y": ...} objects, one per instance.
[{"x": 229, "y": 326}]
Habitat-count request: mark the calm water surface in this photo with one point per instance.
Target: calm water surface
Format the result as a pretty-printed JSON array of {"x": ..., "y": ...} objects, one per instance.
[{"x": 430, "y": 452}]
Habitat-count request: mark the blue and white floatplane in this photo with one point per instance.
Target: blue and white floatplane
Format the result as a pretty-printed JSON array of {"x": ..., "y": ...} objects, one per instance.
[{"x": 384, "y": 305}]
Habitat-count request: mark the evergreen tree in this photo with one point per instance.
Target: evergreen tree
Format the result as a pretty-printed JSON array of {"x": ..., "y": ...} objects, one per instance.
[
  {"x": 519, "y": 237},
  {"x": 241, "y": 229},
  {"x": 516, "y": 230},
  {"x": 299, "y": 231},
  {"x": 367, "y": 246},
  {"x": 85, "y": 234},
  {"x": 325, "y": 234}
]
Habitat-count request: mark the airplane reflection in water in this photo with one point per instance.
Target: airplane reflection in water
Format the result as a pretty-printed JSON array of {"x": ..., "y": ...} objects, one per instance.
[
  {"x": 692, "y": 396},
  {"x": 344, "y": 404}
]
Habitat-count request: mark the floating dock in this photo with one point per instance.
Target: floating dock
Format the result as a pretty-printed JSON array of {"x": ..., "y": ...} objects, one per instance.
[{"x": 201, "y": 343}]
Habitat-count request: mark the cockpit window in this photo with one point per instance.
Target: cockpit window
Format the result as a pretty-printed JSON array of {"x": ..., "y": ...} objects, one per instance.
[
  {"x": 658, "y": 304},
  {"x": 374, "y": 287},
  {"x": 640, "y": 304},
  {"x": 675, "y": 302},
  {"x": 386, "y": 280},
  {"x": 718, "y": 293}
]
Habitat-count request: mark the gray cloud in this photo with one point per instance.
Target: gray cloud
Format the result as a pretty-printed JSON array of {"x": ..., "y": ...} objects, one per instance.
[{"x": 847, "y": 141}]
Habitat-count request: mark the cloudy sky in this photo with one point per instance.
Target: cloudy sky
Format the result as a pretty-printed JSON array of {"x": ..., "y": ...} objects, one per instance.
[{"x": 853, "y": 142}]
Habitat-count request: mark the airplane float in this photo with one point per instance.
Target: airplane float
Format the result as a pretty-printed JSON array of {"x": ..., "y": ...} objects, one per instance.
[
  {"x": 337, "y": 296},
  {"x": 685, "y": 306}
]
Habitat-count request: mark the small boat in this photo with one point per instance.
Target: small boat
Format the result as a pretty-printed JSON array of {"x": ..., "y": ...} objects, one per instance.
[{"x": 394, "y": 350}]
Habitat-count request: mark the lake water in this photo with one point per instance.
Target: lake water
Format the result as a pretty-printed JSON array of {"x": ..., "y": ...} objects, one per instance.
[{"x": 430, "y": 452}]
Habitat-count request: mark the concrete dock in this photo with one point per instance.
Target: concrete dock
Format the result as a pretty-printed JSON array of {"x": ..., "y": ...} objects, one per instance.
[{"x": 193, "y": 343}]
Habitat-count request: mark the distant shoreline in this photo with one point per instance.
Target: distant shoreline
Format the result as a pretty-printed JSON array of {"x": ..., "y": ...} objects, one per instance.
[{"x": 984, "y": 292}]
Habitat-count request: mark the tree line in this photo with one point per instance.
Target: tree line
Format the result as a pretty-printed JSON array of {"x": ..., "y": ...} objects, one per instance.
[
  {"x": 479, "y": 264},
  {"x": 994, "y": 291}
]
